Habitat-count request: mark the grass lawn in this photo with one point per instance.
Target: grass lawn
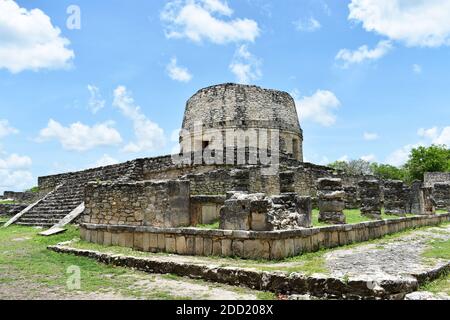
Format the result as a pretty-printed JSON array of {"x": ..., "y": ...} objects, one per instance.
[
  {"x": 7, "y": 202},
  {"x": 353, "y": 216},
  {"x": 28, "y": 268},
  {"x": 441, "y": 285}
]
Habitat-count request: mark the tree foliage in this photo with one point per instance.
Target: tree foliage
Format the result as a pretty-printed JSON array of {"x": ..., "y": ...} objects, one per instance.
[
  {"x": 388, "y": 172},
  {"x": 353, "y": 167},
  {"x": 435, "y": 158}
]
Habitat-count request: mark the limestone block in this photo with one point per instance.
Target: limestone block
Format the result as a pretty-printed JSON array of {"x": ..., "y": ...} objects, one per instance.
[{"x": 181, "y": 245}]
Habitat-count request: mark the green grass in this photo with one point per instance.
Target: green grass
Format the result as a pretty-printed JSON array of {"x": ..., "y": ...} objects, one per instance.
[
  {"x": 439, "y": 249},
  {"x": 353, "y": 216},
  {"x": 212, "y": 226},
  {"x": 7, "y": 202},
  {"x": 441, "y": 285},
  {"x": 24, "y": 256}
]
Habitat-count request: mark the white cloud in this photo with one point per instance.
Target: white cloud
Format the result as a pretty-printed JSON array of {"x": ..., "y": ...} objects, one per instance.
[
  {"x": 218, "y": 6},
  {"x": 369, "y": 158},
  {"x": 424, "y": 23},
  {"x": 436, "y": 136},
  {"x": 105, "y": 160},
  {"x": 417, "y": 69},
  {"x": 245, "y": 66},
  {"x": 178, "y": 73},
  {"x": 344, "y": 158},
  {"x": 363, "y": 53},
  {"x": 433, "y": 135},
  {"x": 370, "y": 136},
  {"x": 29, "y": 41},
  {"x": 6, "y": 129},
  {"x": 15, "y": 161},
  {"x": 14, "y": 173},
  {"x": 200, "y": 20},
  {"x": 17, "y": 180},
  {"x": 400, "y": 156},
  {"x": 81, "y": 137},
  {"x": 307, "y": 25},
  {"x": 318, "y": 108},
  {"x": 149, "y": 136},
  {"x": 96, "y": 101}
]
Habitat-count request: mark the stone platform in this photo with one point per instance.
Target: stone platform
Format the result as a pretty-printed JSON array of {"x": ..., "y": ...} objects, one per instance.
[
  {"x": 270, "y": 245},
  {"x": 385, "y": 269}
]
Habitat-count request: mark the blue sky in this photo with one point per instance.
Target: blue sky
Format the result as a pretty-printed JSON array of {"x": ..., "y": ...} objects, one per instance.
[{"x": 370, "y": 77}]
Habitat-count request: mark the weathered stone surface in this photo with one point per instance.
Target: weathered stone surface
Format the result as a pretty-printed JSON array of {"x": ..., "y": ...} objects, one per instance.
[
  {"x": 258, "y": 212},
  {"x": 352, "y": 200},
  {"x": 395, "y": 198},
  {"x": 441, "y": 194},
  {"x": 331, "y": 201},
  {"x": 370, "y": 194}
]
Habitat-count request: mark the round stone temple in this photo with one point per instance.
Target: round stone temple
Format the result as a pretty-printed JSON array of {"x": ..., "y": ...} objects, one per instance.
[{"x": 234, "y": 113}]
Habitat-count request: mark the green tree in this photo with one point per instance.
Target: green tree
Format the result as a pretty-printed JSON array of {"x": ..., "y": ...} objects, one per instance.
[
  {"x": 353, "y": 167},
  {"x": 435, "y": 158},
  {"x": 388, "y": 172}
]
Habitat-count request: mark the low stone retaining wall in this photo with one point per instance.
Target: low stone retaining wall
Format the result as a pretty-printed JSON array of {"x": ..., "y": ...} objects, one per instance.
[
  {"x": 272, "y": 245},
  {"x": 275, "y": 281}
]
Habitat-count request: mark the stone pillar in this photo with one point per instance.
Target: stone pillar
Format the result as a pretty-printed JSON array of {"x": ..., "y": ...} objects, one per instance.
[
  {"x": 395, "y": 198},
  {"x": 441, "y": 194},
  {"x": 351, "y": 197},
  {"x": 370, "y": 194},
  {"x": 415, "y": 200},
  {"x": 331, "y": 201},
  {"x": 429, "y": 202}
]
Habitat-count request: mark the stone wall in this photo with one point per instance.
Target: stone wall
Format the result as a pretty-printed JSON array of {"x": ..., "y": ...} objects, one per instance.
[
  {"x": 441, "y": 194},
  {"x": 430, "y": 178},
  {"x": 258, "y": 212},
  {"x": 21, "y": 197},
  {"x": 128, "y": 171},
  {"x": 11, "y": 209},
  {"x": 205, "y": 209},
  {"x": 273, "y": 245},
  {"x": 147, "y": 203}
]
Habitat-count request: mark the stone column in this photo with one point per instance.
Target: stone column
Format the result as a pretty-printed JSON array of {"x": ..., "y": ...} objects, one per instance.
[
  {"x": 370, "y": 194},
  {"x": 441, "y": 194},
  {"x": 395, "y": 198},
  {"x": 429, "y": 202},
  {"x": 331, "y": 201},
  {"x": 415, "y": 200},
  {"x": 351, "y": 197}
]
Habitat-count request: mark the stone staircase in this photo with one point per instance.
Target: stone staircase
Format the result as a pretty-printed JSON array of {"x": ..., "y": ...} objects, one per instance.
[
  {"x": 69, "y": 194},
  {"x": 55, "y": 207}
]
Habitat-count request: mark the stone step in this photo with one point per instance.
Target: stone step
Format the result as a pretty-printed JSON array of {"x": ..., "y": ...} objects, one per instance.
[{"x": 33, "y": 224}]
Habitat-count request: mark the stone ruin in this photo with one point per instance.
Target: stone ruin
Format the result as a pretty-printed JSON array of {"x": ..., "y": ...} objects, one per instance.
[
  {"x": 395, "y": 198},
  {"x": 258, "y": 212},
  {"x": 370, "y": 194},
  {"x": 331, "y": 201},
  {"x": 159, "y": 203},
  {"x": 440, "y": 184},
  {"x": 352, "y": 200},
  {"x": 441, "y": 194}
]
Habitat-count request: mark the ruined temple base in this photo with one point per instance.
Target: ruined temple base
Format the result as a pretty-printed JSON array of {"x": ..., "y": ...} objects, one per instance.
[{"x": 332, "y": 218}]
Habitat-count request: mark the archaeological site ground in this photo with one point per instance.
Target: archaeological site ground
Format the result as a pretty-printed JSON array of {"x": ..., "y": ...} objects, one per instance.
[
  {"x": 224, "y": 158},
  {"x": 237, "y": 215}
]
